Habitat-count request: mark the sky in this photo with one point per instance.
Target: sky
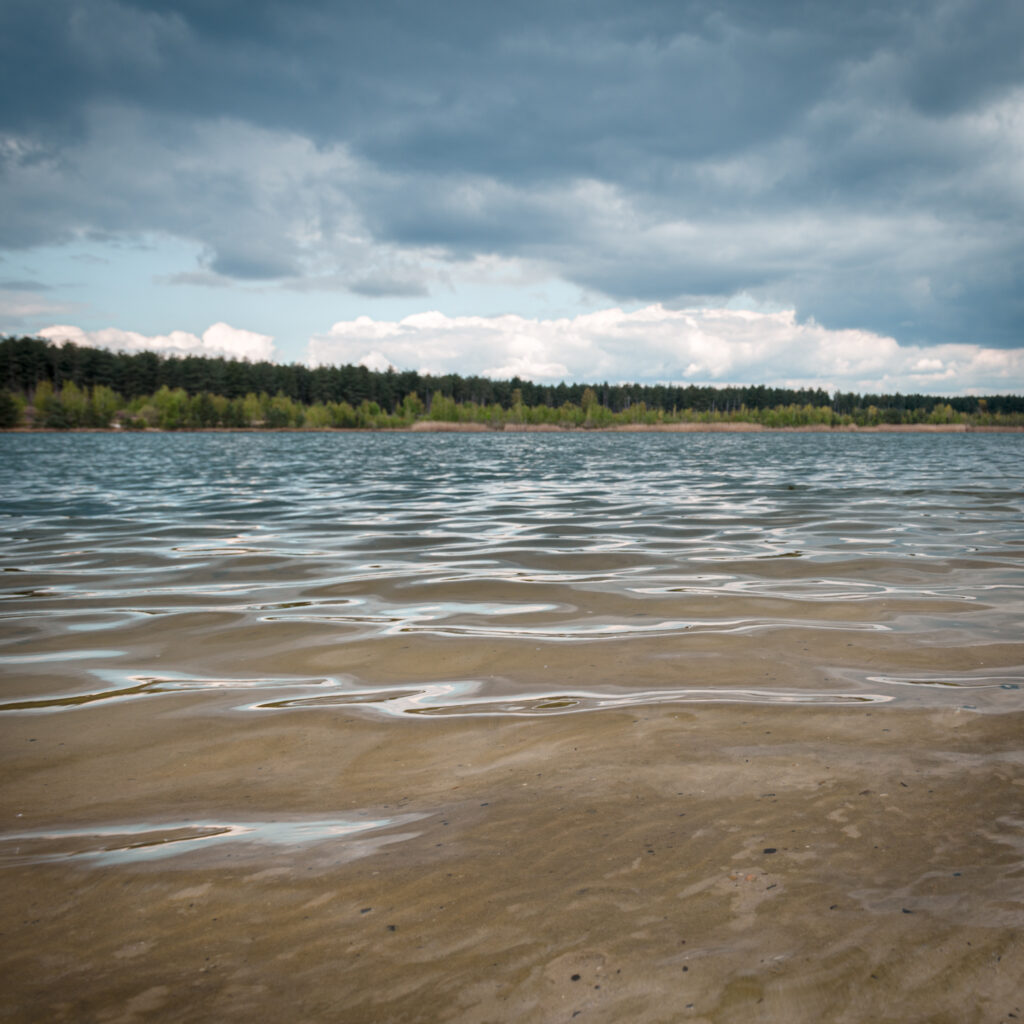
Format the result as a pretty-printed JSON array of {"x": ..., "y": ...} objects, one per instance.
[{"x": 738, "y": 192}]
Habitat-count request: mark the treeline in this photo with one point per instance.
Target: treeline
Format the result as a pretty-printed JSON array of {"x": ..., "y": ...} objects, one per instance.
[
  {"x": 100, "y": 407},
  {"x": 26, "y": 363}
]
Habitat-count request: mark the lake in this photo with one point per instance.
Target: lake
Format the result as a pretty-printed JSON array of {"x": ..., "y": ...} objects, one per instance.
[{"x": 487, "y": 727}]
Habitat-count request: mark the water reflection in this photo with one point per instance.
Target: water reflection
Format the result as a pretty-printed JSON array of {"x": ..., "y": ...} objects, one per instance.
[
  {"x": 475, "y": 698},
  {"x": 463, "y": 699},
  {"x": 139, "y": 843}
]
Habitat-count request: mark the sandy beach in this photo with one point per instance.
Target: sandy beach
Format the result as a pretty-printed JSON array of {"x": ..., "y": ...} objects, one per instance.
[{"x": 650, "y": 865}]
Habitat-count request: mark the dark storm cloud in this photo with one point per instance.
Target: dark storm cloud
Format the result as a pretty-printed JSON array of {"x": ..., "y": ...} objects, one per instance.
[
  {"x": 854, "y": 161},
  {"x": 543, "y": 87}
]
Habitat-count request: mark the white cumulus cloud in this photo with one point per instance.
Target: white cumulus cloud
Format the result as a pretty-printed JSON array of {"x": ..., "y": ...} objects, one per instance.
[
  {"x": 219, "y": 339},
  {"x": 655, "y": 344}
]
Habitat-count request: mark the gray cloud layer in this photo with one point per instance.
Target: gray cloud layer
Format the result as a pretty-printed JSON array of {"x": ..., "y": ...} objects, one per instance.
[{"x": 860, "y": 165}]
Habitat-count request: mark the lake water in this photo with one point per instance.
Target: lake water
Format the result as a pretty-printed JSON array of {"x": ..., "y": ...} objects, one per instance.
[{"x": 374, "y": 727}]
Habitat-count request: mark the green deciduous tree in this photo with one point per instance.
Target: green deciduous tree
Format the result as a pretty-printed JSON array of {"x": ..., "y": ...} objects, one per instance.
[
  {"x": 11, "y": 410},
  {"x": 104, "y": 403}
]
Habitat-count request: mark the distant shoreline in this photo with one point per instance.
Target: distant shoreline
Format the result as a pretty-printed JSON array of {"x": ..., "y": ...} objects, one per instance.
[{"x": 444, "y": 427}]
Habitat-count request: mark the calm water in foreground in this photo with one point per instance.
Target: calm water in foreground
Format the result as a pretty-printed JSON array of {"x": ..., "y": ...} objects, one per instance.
[{"x": 470, "y": 728}]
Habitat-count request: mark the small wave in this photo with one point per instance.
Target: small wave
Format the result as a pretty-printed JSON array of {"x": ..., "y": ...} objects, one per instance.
[
  {"x": 993, "y": 693},
  {"x": 463, "y": 699},
  {"x": 597, "y": 631},
  {"x": 122, "y": 688},
  {"x": 73, "y": 655}
]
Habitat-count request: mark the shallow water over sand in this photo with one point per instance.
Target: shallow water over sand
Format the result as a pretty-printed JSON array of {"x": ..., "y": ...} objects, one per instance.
[{"x": 486, "y": 727}]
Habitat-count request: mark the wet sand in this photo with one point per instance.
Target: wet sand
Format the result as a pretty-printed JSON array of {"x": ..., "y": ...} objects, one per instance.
[
  {"x": 521, "y": 860},
  {"x": 648, "y": 864}
]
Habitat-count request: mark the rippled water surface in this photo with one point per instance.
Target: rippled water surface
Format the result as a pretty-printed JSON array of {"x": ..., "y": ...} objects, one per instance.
[
  {"x": 115, "y": 545},
  {"x": 303, "y": 654}
]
